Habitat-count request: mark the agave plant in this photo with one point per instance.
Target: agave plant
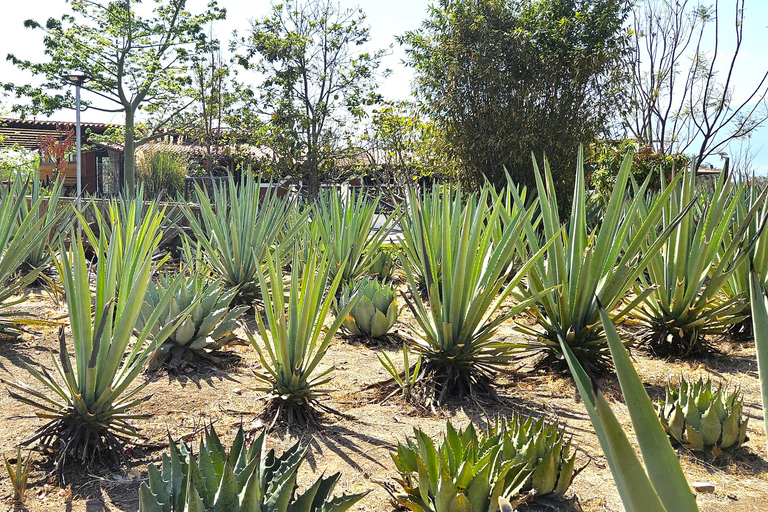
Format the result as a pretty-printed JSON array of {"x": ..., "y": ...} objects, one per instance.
[
  {"x": 737, "y": 285},
  {"x": 699, "y": 418},
  {"x": 660, "y": 483},
  {"x": 344, "y": 226},
  {"x": 294, "y": 340},
  {"x": 758, "y": 299},
  {"x": 406, "y": 381},
  {"x": 207, "y": 327},
  {"x": 686, "y": 277},
  {"x": 57, "y": 220},
  {"x": 471, "y": 471},
  {"x": 240, "y": 228},
  {"x": 20, "y": 235},
  {"x": 245, "y": 479},
  {"x": 375, "y": 310},
  {"x": 383, "y": 262},
  {"x": 88, "y": 399},
  {"x": 582, "y": 267},
  {"x": 466, "y": 269}
]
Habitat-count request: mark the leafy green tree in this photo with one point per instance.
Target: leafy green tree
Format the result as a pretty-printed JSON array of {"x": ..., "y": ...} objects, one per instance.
[
  {"x": 317, "y": 83},
  {"x": 509, "y": 77},
  {"x": 133, "y": 63}
]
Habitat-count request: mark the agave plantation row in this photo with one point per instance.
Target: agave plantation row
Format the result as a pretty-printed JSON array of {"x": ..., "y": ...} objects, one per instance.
[{"x": 683, "y": 263}]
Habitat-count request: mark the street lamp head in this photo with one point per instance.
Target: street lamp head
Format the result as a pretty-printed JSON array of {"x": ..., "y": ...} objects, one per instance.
[{"x": 76, "y": 77}]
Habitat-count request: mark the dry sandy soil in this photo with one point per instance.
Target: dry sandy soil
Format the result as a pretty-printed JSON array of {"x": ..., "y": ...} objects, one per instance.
[{"x": 359, "y": 443}]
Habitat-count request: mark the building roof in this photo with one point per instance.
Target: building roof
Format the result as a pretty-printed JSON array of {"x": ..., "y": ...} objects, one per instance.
[{"x": 27, "y": 132}]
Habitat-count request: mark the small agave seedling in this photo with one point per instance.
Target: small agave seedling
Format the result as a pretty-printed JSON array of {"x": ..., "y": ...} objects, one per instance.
[
  {"x": 247, "y": 479},
  {"x": 207, "y": 327},
  {"x": 18, "y": 474},
  {"x": 471, "y": 471},
  {"x": 374, "y": 313},
  {"x": 405, "y": 383},
  {"x": 699, "y": 418}
]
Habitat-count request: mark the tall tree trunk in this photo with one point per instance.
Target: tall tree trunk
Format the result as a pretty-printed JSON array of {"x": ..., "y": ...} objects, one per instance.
[{"x": 129, "y": 160}]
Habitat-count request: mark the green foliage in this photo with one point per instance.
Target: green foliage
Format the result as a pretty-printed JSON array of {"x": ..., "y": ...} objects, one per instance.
[
  {"x": 18, "y": 475},
  {"x": 584, "y": 267},
  {"x": 605, "y": 158},
  {"x": 758, "y": 299},
  {"x": 465, "y": 268},
  {"x": 659, "y": 486},
  {"x": 343, "y": 226},
  {"x": 207, "y": 327},
  {"x": 406, "y": 382},
  {"x": 294, "y": 340},
  {"x": 133, "y": 63},
  {"x": 504, "y": 78},
  {"x": 18, "y": 162},
  {"x": 470, "y": 471},
  {"x": 384, "y": 262},
  {"x": 683, "y": 303},
  {"x": 245, "y": 479},
  {"x": 22, "y": 232},
  {"x": 239, "y": 228},
  {"x": 162, "y": 171},
  {"x": 316, "y": 83},
  {"x": 375, "y": 309},
  {"x": 699, "y": 418},
  {"x": 88, "y": 405}
]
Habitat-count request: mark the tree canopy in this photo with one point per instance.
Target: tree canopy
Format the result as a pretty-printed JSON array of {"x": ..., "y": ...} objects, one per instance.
[
  {"x": 133, "y": 63},
  {"x": 506, "y": 78}
]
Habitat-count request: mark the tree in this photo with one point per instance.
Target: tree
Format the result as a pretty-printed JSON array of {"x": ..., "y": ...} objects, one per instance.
[
  {"x": 689, "y": 108},
  {"x": 133, "y": 63},
  {"x": 316, "y": 83},
  {"x": 509, "y": 77}
]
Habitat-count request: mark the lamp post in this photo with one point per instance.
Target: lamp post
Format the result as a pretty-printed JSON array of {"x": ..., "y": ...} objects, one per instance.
[{"x": 78, "y": 79}]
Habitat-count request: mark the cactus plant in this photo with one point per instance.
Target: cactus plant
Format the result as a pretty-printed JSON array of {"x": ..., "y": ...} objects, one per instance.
[
  {"x": 699, "y": 418},
  {"x": 247, "y": 479},
  {"x": 471, "y": 471},
  {"x": 206, "y": 328},
  {"x": 375, "y": 311}
]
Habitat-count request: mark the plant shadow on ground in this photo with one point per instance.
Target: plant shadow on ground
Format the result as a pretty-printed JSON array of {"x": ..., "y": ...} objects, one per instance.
[{"x": 200, "y": 372}]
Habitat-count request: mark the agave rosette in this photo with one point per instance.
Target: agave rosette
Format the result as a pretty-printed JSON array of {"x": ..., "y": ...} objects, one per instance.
[
  {"x": 88, "y": 399},
  {"x": 375, "y": 310},
  {"x": 700, "y": 418},
  {"x": 206, "y": 327},
  {"x": 247, "y": 478}
]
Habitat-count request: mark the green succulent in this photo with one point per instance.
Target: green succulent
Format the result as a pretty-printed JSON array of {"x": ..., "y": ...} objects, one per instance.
[
  {"x": 471, "y": 471},
  {"x": 375, "y": 311},
  {"x": 383, "y": 266},
  {"x": 699, "y": 418},
  {"x": 247, "y": 479},
  {"x": 208, "y": 326}
]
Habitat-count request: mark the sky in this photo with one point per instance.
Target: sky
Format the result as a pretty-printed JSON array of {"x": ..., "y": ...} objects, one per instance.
[{"x": 387, "y": 19}]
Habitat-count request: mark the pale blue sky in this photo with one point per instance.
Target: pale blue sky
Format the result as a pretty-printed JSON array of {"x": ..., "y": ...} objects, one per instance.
[{"x": 386, "y": 18}]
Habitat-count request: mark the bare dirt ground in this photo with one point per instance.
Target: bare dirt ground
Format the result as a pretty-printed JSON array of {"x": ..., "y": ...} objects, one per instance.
[{"x": 359, "y": 443}]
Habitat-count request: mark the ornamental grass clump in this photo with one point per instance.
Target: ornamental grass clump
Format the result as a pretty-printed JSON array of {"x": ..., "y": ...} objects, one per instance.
[
  {"x": 701, "y": 419},
  {"x": 88, "y": 400},
  {"x": 583, "y": 266},
  {"x": 467, "y": 274},
  {"x": 515, "y": 460},
  {"x": 293, "y": 337},
  {"x": 206, "y": 328},
  {"x": 375, "y": 310},
  {"x": 246, "y": 478},
  {"x": 683, "y": 303}
]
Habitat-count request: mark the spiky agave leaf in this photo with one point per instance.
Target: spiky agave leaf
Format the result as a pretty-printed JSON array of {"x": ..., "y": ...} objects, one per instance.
[
  {"x": 683, "y": 302},
  {"x": 89, "y": 397},
  {"x": 466, "y": 269},
  {"x": 582, "y": 267},
  {"x": 293, "y": 339},
  {"x": 240, "y": 228},
  {"x": 247, "y": 478},
  {"x": 207, "y": 326}
]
